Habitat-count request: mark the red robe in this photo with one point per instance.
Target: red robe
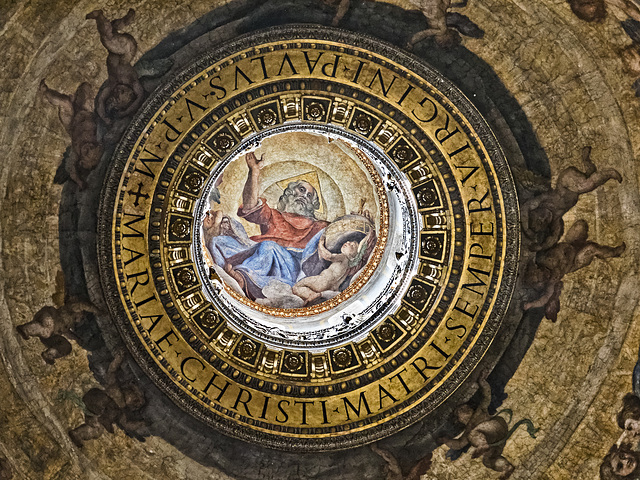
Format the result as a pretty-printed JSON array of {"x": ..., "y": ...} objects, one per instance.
[{"x": 289, "y": 230}]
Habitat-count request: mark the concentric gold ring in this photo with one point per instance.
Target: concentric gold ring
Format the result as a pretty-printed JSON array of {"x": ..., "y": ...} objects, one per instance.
[{"x": 405, "y": 335}]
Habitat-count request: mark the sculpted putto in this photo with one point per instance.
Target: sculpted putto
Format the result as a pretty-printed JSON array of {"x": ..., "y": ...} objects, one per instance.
[
  {"x": 79, "y": 120},
  {"x": 545, "y": 274},
  {"x": 542, "y": 222},
  {"x": 54, "y": 325},
  {"x": 122, "y": 94},
  {"x": 543, "y": 228},
  {"x": 622, "y": 462},
  {"x": 486, "y": 433},
  {"x": 119, "y": 403},
  {"x": 444, "y": 26}
]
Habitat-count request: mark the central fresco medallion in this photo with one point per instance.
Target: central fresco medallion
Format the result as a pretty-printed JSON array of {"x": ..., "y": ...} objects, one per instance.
[
  {"x": 309, "y": 239},
  {"x": 308, "y": 229}
]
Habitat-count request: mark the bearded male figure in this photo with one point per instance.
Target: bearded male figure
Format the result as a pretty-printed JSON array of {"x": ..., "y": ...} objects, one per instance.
[
  {"x": 289, "y": 234},
  {"x": 293, "y": 224}
]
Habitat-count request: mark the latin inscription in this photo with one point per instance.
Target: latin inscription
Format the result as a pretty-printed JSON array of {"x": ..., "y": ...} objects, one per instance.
[{"x": 410, "y": 381}]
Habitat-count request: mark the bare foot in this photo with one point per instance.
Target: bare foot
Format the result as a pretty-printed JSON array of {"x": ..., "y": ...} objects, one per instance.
[
  {"x": 124, "y": 21},
  {"x": 93, "y": 15},
  {"x": 42, "y": 88},
  {"x": 312, "y": 298},
  {"x": 75, "y": 438},
  {"x": 617, "y": 176},
  {"x": 507, "y": 473}
]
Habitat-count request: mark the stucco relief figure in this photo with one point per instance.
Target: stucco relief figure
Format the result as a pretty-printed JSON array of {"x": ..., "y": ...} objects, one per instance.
[
  {"x": 123, "y": 94},
  {"x": 54, "y": 325},
  {"x": 621, "y": 463},
  {"x": 623, "y": 459},
  {"x": 444, "y": 26},
  {"x": 297, "y": 259},
  {"x": 486, "y": 433},
  {"x": 546, "y": 272},
  {"x": 79, "y": 120},
  {"x": 119, "y": 403},
  {"x": 542, "y": 222},
  {"x": 628, "y": 419}
]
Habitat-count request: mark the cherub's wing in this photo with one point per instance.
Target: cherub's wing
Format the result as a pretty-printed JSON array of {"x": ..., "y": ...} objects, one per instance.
[{"x": 530, "y": 180}]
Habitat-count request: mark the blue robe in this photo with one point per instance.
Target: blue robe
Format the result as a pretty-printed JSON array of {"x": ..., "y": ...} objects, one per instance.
[{"x": 265, "y": 261}]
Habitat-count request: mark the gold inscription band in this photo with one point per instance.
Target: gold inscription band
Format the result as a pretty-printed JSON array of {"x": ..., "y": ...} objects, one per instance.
[{"x": 308, "y": 239}]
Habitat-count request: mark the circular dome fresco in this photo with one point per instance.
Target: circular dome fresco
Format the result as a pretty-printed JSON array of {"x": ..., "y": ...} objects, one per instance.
[{"x": 308, "y": 239}]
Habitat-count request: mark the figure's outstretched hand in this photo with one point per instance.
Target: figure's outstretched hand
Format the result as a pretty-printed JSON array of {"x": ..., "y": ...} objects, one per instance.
[{"x": 253, "y": 162}]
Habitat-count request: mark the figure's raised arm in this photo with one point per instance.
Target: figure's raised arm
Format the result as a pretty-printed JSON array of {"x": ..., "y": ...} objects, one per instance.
[
  {"x": 485, "y": 390},
  {"x": 250, "y": 192},
  {"x": 60, "y": 100},
  {"x": 325, "y": 254}
]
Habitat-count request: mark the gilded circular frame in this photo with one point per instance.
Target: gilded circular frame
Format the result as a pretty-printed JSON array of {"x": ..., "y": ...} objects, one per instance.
[{"x": 417, "y": 348}]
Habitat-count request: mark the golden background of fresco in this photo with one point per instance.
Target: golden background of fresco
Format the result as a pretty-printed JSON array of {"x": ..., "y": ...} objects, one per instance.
[
  {"x": 343, "y": 183},
  {"x": 573, "y": 86}
]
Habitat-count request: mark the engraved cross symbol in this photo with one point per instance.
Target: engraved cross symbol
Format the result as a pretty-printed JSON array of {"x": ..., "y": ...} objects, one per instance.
[{"x": 138, "y": 194}]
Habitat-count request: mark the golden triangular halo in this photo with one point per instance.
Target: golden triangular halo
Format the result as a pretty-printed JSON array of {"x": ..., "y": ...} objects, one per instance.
[{"x": 312, "y": 179}]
